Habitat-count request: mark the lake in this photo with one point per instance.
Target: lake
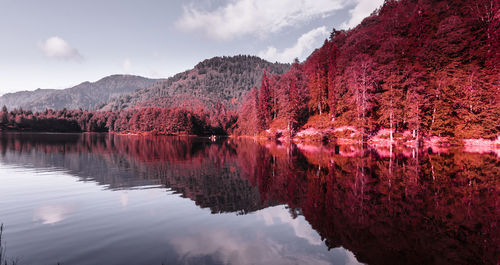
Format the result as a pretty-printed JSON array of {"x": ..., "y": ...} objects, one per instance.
[{"x": 110, "y": 199}]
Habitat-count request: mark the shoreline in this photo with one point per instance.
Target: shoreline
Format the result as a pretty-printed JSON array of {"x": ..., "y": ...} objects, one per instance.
[
  {"x": 315, "y": 148},
  {"x": 427, "y": 142},
  {"x": 432, "y": 144}
]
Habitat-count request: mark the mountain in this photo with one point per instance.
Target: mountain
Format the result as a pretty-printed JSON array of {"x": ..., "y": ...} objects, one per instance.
[
  {"x": 22, "y": 98},
  {"x": 86, "y": 95},
  {"x": 221, "y": 80}
]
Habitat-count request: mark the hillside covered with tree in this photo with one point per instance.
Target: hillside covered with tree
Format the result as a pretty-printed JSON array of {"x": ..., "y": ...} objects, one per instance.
[
  {"x": 215, "y": 83},
  {"x": 87, "y": 95},
  {"x": 201, "y": 101},
  {"x": 418, "y": 68}
]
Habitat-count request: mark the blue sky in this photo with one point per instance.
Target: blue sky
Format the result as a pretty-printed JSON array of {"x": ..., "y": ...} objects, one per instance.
[{"x": 61, "y": 43}]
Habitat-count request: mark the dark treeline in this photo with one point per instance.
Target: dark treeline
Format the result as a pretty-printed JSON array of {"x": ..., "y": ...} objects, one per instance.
[
  {"x": 152, "y": 120},
  {"x": 427, "y": 67}
]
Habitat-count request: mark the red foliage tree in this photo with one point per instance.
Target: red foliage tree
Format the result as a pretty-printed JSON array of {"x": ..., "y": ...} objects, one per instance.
[{"x": 265, "y": 103}]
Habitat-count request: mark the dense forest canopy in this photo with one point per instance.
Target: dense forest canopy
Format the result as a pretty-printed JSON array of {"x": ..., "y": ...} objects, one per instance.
[
  {"x": 152, "y": 120},
  {"x": 425, "y": 66},
  {"x": 216, "y": 81}
]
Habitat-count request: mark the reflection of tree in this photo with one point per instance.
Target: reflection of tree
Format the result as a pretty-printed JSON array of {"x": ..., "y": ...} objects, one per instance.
[
  {"x": 416, "y": 209},
  {"x": 194, "y": 167},
  {"x": 400, "y": 206}
]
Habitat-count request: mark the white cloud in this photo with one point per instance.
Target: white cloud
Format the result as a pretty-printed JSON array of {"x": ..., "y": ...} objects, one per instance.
[
  {"x": 127, "y": 65},
  {"x": 56, "y": 47},
  {"x": 361, "y": 10},
  {"x": 255, "y": 17},
  {"x": 302, "y": 48}
]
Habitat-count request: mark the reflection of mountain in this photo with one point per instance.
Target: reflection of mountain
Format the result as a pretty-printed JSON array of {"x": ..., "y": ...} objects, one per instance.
[
  {"x": 407, "y": 208},
  {"x": 193, "y": 167}
]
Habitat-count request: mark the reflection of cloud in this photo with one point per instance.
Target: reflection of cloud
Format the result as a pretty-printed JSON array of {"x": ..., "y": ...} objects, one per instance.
[
  {"x": 350, "y": 259},
  {"x": 302, "y": 229},
  {"x": 229, "y": 248},
  {"x": 51, "y": 214},
  {"x": 300, "y": 226},
  {"x": 124, "y": 199}
]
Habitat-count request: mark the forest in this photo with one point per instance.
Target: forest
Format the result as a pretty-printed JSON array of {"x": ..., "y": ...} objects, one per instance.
[
  {"x": 150, "y": 120},
  {"x": 424, "y": 67},
  {"x": 413, "y": 70},
  {"x": 218, "y": 80}
]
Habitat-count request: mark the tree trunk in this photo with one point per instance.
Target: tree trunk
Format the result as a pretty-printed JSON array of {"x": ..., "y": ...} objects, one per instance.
[{"x": 391, "y": 118}]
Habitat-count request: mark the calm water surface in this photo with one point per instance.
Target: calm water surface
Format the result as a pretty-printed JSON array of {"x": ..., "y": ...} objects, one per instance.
[{"x": 108, "y": 199}]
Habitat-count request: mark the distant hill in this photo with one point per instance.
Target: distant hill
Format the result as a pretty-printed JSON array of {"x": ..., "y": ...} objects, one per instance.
[
  {"x": 222, "y": 80},
  {"x": 86, "y": 95},
  {"x": 22, "y": 98}
]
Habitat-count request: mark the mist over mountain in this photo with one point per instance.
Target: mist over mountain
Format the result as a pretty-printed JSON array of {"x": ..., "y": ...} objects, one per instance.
[
  {"x": 22, "y": 98},
  {"x": 87, "y": 95},
  {"x": 222, "y": 80}
]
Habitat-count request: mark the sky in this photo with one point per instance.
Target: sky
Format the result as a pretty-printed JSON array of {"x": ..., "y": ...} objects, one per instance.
[{"x": 61, "y": 43}]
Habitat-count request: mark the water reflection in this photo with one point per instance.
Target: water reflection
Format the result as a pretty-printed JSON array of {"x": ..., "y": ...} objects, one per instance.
[
  {"x": 384, "y": 206},
  {"x": 301, "y": 227},
  {"x": 229, "y": 248},
  {"x": 51, "y": 214}
]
